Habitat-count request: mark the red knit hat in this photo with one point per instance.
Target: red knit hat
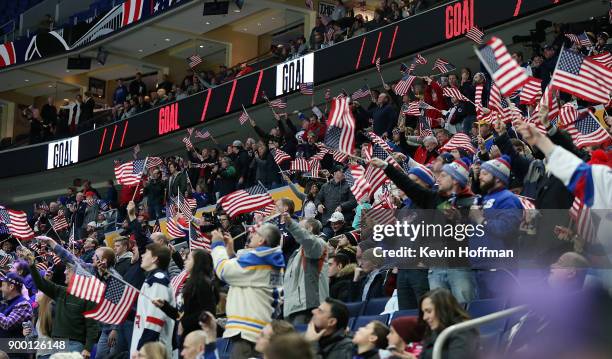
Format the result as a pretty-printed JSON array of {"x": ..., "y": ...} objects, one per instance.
[{"x": 408, "y": 328}]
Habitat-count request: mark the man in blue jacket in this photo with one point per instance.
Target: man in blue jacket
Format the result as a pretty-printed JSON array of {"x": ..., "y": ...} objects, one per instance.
[{"x": 500, "y": 215}]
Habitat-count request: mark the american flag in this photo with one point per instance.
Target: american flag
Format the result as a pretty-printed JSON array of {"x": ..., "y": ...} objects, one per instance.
[
  {"x": 187, "y": 142},
  {"x": 16, "y": 222},
  {"x": 355, "y": 177},
  {"x": 587, "y": 131},
  {"x": 59, "y": 222},
  {"x": 454, "y": 93},
  {"x": 339, "y": 156},
  {"x": 581, "y": 217},
  {"x": 403, "y": 86},
  {"x": 245, "y": 200},
  {"x": 315, "y": 167},
  {"x": 154, "y": 162},
  {"x": 532, "y": 91},
  {"x": 197, "y": 239},
  {"x": 192, "y": 203},
  {"x": 116, "y": 304},
  {"x": 381, "y": 214},
  {"x": 582, "y": 77},
  {"x": 129, "y": 173},
  {"x": 280, "y": 156},
  {"x": 178, "y": 281},
  {"x": 279, "y": 103},
  {"x": 184, "y": 207},
  {"x": 377, "y": 64},
  {"x": 459, "y": 140},
  {"x": 526, "y": 202},
  {"x": 177, "y": 227},
  {"x": 475, "y": 34},
  {"x": 319, "y": 155},
  {"x": 424, "y": 127},
  {"x": 361, "y": 93},
  {"x": 264, "y": 212},
  {"x": 194, "y": 60},
  {"x": 85, "y": 285},
  {"x": 404, "y": 69},
  {"x": 504, "y": 70},
  {"x": 307, "y": 88},
  {"x": 413, "y": 109},
  {"x": 375, "y": 176},
  {"x": 443, "y": 66},
  {"x": 568, "y": 115},
  {"x": 300, "y": 164},
  {"x": 340, "y": 126},
  {"x": 580, "y": 39},
  {"x": 156, "y": 226},
  {"x": 419, "y": 60},
  {"x": 549, "y": 99},
  {"x": 5, "y": 260},
  {"x": 40, "y": 266},
  {"x": 204, "y": 134},
  {"x": 605, "y": 58},
  {"x": 244, "y": 117}
]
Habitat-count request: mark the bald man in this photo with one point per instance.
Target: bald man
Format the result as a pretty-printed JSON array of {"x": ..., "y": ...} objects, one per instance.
[{"x": 193, "y": 346}]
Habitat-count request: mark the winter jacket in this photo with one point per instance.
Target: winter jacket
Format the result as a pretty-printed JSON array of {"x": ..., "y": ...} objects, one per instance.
[
  {"x": 384, "y": 119},
  {"x": 439, "y": 102},
  {"x": 155, "y": 191},
  {"x": 122, "y": 263},
  {"x": 68, "y": 321},
  {"x": 503, "y": 213},
  {"x": 340, "y": 285},
  {"x": 266, "y": 170},
  {"x": 422, "y": 156},
  {"x": 336, "y": 346},
  {"x": 369, "y": 286},
  {"x": 255, "y": 279},
  {"x": 151, "y": 323},
  {"x": 334, "y": 194},
  {"x": 463, "y": 344},
  {"x": 241, "y": 163},
  {"x": 176, "y": 184},
  {"x": 306, "y": 283}
]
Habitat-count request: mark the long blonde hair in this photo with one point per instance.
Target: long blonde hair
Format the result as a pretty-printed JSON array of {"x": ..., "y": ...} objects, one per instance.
[{"x": 45, "y": 317}]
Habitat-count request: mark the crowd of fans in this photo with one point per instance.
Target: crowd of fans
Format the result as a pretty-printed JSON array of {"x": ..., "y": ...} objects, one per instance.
[
  {"x": 281, "y": 290},
  {"x": 133, "y": 97}
]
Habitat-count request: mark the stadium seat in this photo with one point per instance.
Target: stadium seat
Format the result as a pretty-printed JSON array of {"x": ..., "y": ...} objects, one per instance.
[
  {"x": 479, "y": 308},
  {"x": 301, "y": 328},
  {"x": 404, "y": 313},
  {"x": 355, "y": 308},
  {"x": 365, "y": 319},
  {"x": 223, "y": 347},
  {"x": 375, "y": 306}
]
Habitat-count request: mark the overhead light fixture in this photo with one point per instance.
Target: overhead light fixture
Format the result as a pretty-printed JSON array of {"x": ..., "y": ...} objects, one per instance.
[
  {"x": 207, "y": 22},
  {"x": 139, "y": 50},
  {"x": 67, "y": 70},
  {"x": 259, "y": 24},
  {"x": 51, "y": 85},
  {"x": 201, "y": 46},
  {"x": 26, "y": 80},
  {"x": 167, "y": 39},
  {"x": 236, "y": 10},
  {"x": 66, "y": 100}
]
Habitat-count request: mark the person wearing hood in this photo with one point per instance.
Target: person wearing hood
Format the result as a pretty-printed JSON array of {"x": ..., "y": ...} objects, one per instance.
[
  {"x": 341, "y": 272},
  {"x": 254, "y": 277},
  {"x": 123, "y": 254}
]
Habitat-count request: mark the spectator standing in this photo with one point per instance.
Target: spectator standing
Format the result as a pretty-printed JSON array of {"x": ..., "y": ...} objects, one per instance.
[
  {"x": 138, "y": 87},
  {"x": 384, "y": 116},
  {"x": 335, "y": 196},
  {"x": 155, "y": 190},
  {"x": 341, "y": 272},
  {"x": 123, "y": 255},
  {"x": 306, "y": 283},
  {"x": 151, "y": 323},
  {"x": 177, "y": 182},
  {"x": 68, "y": 319},
  {"x": 120, "y": 94},
  {"x": 254, "y": 277},
  {"x": 369, "y": 277},
  {"x": 49, "y": 115}
]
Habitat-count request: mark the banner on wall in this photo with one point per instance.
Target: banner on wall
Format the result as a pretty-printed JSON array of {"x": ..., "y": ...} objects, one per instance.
[
  {"x": 326, "y": 8},
  {"x": 63, "y": 153},
  {"x": 290, "y": 74}
]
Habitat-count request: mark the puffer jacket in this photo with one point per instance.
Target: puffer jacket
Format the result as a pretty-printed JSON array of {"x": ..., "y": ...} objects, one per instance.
[
  {"x": 306, "y": 283},
  {"x": 340, "y": 285}
]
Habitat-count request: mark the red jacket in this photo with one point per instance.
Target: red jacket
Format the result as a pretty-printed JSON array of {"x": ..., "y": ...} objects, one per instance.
[
  {"x": 421, "y": 155},
  {"x": 439, "y": 103},
  {"x": 318, "y": 128},
  {"x": 126, "y": 193}
]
